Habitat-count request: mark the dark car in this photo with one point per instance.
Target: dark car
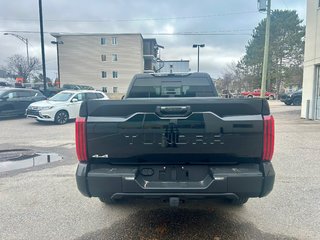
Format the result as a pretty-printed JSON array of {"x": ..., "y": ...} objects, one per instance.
[
  {"x": 293, "y": 98},
  {"x": 51, "y": 91},
  {"x": 14, "y": 101},
  {"x": 5, "y": 84}
]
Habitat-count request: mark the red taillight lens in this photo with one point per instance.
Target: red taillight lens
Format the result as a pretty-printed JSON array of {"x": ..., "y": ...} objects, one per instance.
[
  {"x": 81, "y": 139},
  {"x": 268, "y": 138}
]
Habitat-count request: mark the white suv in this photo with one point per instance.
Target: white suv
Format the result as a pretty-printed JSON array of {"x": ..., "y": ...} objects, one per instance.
[{"x": 63, "y": 106}]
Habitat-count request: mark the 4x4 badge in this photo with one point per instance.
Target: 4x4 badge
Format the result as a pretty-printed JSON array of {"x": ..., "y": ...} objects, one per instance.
[{"x": 100, "y": 156}]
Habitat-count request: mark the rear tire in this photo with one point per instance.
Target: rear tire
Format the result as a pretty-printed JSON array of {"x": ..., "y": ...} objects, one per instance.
[
  {"x": 238, "y": 201},
  {"x": 287, "y": 103},
  {"x": 271, "y": 97},
  {"x": 249, "y": 96},
  {"x": 61, "y": 117}
]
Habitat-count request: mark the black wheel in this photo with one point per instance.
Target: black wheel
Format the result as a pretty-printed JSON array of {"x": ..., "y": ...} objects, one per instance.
[
  {"x": 271, "y": 97},
  {"x": 61, "y": 117},
  {"x": 296, "y": 101},
  {"x": 250, "y": 96},
  {"x": 288, "y": 103},
  {"x": 238, "y": 201}
]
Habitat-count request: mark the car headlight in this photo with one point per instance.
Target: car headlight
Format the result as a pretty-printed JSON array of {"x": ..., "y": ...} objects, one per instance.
[{"x": 46, "y": 108}]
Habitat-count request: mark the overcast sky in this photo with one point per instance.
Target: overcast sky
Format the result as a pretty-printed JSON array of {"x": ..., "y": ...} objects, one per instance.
[{"x": 232, "y": 21}]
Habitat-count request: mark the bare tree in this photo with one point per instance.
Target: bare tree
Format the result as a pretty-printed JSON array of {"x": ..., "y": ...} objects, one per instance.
[
  {"x": 18, "y": 65},
  {"x": 231, "y": 78}
]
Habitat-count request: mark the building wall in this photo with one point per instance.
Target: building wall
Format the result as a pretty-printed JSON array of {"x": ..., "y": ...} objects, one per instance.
[
  {"x": 81, "y": 63},
  {"x": 150, "y": 52},
  {"x": 312, "y": 56}
]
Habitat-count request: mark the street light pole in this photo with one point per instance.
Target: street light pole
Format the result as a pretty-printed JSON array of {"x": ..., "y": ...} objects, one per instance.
[
  {"x": 58, "y": 62},
  {"x": 24, "y": 40},
  {"x": 266, "y": 52},
  {"x": 198, "y": 46},
  {"x": 42, "y": 49}
]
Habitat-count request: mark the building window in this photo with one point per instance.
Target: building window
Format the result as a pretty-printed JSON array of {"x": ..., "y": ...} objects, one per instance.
[
  {"x": 114, "y": 57},
  {"x": 103, "y": 41},
  {"x": 115, "y": 89},
  {"x": 114, "y": 41},
  {"x": 114, "y": 74},
  {"x": 104, "y": 89},
  {"x": 104, "y": 74},
  {"x": 103, "y": 57}
]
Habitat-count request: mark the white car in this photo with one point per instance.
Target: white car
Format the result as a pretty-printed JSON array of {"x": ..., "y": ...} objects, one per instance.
[{"x": 63, "y": 106}]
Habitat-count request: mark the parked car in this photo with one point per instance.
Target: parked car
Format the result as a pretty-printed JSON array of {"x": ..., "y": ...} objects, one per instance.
[
  {"x": 51, "y": 91},
  {"x": 5, "y": 84},
  {"x": 14, "y": 101},
  {"x": 294, "y": 98},
  {"x": 257, "y": 92},
  {"x": 63, "y": 106}
]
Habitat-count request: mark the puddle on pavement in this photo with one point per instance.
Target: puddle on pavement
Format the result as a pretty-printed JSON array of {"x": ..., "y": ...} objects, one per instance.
[{"x": 23, "y": 158}]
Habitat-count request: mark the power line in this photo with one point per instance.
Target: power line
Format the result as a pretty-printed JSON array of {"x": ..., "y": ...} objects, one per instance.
[
  {"x": 132, "y": 20},
  {"x": 207, "y": 33}
]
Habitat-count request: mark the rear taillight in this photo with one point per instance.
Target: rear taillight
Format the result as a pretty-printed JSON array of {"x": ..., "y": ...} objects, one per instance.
[
  {"x": 81, "y": 139},
  {"x": 268, "y": 138}
]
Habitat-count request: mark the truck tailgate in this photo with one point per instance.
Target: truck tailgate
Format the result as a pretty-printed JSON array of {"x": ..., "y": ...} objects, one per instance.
[{"x": 186, "y": 130}]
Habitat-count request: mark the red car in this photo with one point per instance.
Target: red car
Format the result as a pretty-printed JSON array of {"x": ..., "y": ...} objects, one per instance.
[{"x": 256, "y": 93}]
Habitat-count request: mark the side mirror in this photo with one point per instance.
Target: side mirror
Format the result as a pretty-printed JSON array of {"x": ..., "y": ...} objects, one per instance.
[
  {"x": 122, "y": 97},
  {"x": 74, "y": 100}
]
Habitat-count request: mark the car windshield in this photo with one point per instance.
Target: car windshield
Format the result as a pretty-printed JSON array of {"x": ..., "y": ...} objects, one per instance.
[{"x": 61, "y": 97}]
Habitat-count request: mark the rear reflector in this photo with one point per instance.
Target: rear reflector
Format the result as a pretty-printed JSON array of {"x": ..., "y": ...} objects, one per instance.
[
  {"x": 268, "y": 138},
  {"x": 81, "y": 138}
]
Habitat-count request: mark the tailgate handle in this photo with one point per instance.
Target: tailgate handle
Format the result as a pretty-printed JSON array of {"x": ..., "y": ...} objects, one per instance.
[{"x": 173, "y": 110}]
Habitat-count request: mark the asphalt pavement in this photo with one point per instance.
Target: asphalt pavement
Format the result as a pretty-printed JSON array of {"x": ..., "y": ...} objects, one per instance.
[{"x": 43, "y": 202}]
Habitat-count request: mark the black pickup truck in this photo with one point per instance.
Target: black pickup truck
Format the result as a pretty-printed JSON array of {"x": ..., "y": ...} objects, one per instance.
[{"x": 173, "y": 139}]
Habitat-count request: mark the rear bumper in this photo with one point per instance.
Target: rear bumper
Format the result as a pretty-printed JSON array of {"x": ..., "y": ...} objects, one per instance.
[{"x": 243, "y": 180}]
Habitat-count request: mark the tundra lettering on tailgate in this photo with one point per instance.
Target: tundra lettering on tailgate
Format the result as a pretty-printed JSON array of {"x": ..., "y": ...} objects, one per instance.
[{"x": 173, "y": 139}]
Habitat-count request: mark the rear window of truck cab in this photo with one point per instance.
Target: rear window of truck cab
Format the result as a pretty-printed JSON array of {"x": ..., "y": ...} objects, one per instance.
[{"x": 161, "y": 87}]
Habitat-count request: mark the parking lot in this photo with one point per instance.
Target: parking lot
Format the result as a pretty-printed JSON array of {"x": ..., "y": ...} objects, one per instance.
[{"x": 43, "y": 202}]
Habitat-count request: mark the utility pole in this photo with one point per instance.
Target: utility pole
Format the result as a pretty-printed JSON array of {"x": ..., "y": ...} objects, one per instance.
[
  {"x": 266, "y": 52},
  {"x": 42, "y": 49}
]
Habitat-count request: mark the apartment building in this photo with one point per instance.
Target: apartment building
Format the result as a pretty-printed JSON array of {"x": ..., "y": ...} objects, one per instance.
[
  {"x": 311, "y": 72},
  {"x": 105, "y": 61}
]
